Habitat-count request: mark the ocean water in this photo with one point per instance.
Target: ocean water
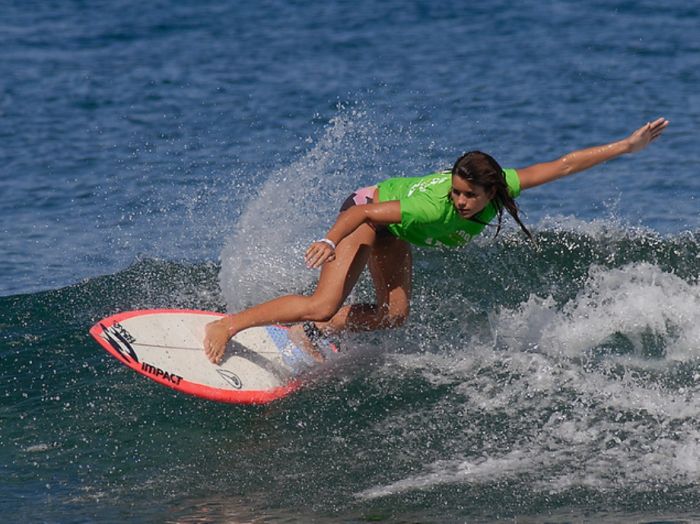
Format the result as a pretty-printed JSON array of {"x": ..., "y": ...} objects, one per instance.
[{"x": 183, "y": 154}]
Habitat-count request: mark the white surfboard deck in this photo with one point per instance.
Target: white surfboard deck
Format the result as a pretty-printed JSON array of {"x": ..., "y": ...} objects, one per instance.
[{"x": 260, "y": 364}]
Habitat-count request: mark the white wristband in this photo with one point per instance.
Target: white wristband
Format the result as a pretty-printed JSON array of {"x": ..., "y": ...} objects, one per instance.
[{"x": 327, "y": 241}]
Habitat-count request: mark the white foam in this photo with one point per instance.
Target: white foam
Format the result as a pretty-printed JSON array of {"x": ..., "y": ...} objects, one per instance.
[
  {"x": 623, "y": 435},
  {"x": 38, "y": 448},
  {"x": 611, "y": 226},
  {"x": 637, "y": 300},
  {"x": 606, "y": 423},
  {"x": 452, "y": 471}
]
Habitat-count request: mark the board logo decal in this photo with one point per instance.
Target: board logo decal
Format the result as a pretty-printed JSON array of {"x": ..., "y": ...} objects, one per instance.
[
  {"x": 120, "y": 339},
  {"x": 157, "y": 372},
  {"x": 231, "y": 378}
]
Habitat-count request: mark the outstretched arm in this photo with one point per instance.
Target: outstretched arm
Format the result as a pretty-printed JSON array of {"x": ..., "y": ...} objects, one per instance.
[{"x": 576, "y": 161}]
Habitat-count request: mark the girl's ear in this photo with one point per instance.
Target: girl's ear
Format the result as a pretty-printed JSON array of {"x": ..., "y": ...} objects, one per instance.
[{"x": 492, "y": 193}]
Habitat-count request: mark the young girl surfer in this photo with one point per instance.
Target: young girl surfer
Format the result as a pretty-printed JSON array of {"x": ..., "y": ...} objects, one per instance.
[{"x": 376, "y": 226}]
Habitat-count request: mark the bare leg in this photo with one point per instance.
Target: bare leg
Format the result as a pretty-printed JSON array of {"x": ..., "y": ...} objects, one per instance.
[
  {"x": 391, "y": 266},
  {"x": 335, "y": 283}
]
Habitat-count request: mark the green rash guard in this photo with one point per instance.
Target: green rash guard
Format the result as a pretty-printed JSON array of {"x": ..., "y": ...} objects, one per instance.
[{"x": 428, "y": 216}]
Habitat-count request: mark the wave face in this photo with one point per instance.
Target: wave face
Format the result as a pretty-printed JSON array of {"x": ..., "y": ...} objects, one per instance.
[{"x": 530, "y": 380}]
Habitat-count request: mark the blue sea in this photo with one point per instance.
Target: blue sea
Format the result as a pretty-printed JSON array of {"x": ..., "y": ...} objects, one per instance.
[{"x": 180, "y": 153}]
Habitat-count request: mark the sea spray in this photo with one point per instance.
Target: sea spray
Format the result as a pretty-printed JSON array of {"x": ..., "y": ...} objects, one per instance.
[{"x": 296, "y": 205}]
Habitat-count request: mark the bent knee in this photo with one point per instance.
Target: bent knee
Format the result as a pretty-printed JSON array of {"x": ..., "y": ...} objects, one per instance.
[{"x": 322, "y": 310}]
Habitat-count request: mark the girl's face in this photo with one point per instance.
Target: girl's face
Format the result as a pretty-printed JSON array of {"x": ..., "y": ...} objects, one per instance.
[{"x": 469, "y": 198}]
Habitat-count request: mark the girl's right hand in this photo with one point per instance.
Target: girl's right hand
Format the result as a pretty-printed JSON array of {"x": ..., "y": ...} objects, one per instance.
[{"x": 318, "y": 254}]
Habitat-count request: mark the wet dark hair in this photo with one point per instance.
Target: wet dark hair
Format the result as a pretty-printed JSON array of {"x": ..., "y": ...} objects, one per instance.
[{"x": 483, "y": 170}]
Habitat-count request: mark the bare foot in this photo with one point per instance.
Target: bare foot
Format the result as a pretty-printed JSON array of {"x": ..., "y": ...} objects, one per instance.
[
  {"x": 216, "y": 336},
  {"x": 297, "y": 335}
]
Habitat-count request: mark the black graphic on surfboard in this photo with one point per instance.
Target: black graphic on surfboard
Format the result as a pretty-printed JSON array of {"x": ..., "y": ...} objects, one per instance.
[
  {"x": 119, "y": 339},
  {"x": 230, "y": 377}
]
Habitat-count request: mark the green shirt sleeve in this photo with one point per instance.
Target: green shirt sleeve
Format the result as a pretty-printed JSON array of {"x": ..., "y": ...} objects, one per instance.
[{"x": 513, "y": 182}]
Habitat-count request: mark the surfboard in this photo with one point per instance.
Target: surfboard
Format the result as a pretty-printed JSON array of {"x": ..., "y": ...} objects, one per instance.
[{"x": 260, "y": 364}]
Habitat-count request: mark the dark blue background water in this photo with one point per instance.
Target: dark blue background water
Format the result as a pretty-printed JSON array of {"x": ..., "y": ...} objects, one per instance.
[{"x": 181, "y": 154}]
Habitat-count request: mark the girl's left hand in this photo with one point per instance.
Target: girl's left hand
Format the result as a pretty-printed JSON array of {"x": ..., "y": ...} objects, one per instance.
[
  {"x": 645, "y": 134},
  {"x": 318, "y": 254}
]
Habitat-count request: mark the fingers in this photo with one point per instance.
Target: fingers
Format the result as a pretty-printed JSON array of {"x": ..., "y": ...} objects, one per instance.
[
  {"x": 659, "y": 122},
  {"x": 318, "y": 259},
  {"x": 318, "y": 254},
  {"x": 657, "y": 127}
]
